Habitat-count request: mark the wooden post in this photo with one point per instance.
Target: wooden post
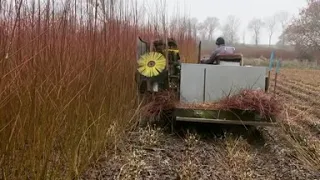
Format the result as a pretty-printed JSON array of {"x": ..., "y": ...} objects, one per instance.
[
  {"x": 276, "y": 76},
  {"x": 270, "y": 68},
  {"x": 275, "y": 83},
  {"x": 199, "y": 52},
  {"x": 268, "y": 83}
]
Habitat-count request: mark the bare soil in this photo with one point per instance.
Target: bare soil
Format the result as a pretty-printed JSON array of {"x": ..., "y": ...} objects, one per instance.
[{"x": 202, "y": 152}]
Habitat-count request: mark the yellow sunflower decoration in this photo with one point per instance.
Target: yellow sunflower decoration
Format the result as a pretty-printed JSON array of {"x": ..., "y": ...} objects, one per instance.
[{"x": 151, "y": 64}]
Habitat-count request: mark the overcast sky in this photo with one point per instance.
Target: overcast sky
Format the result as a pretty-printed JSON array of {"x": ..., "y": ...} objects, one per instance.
[{"x": 243, "y": 9}]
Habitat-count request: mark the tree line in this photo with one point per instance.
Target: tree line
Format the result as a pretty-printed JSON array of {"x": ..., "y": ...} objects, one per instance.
[{"x": 230, "y": 29}]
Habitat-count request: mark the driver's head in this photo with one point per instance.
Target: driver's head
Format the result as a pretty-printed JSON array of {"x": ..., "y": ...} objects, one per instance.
[
  {"x": 220, "y": 41},
  {"x": 172, "y": 43},
  {"x": 159, "y": 45}
]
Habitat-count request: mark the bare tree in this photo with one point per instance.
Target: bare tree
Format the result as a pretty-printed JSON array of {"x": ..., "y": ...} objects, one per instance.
[
  {"x": 183, "y": 27},
  {"x": 244, "y": 37},
  {"x": 304, "y": 32},
  {"x": 211, "y": 24},
  {"x": 194, "y": 26},
  {"x": 180, "y": 26},
  {"x": 255, "y": 25},
  {"x": 283, "y": 18},
  {"x": 283, "y": 39},
  {"x": 202, "y": 31},
  {"x": 230, "y": 29},
  {"x": 271, "y": 25}
]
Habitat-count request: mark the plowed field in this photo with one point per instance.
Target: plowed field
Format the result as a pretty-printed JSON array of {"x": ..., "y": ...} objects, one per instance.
[
  {"x": 290, "y": 151},
  {"x": 301, "y": 91}
]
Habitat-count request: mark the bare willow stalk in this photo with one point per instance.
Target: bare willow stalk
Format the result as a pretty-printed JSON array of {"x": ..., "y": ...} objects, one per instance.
[{"x": 67, "y": 91}]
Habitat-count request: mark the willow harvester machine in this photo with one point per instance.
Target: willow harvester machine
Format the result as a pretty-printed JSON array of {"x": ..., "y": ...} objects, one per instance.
[{"x": 159, "y": 68}]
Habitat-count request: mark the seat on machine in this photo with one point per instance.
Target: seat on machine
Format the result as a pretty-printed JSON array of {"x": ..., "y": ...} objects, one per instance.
[{"x": 229, "y": 58}]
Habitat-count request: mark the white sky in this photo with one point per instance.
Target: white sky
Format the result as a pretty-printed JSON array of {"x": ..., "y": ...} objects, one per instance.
[{"x": 245, "y": 10}]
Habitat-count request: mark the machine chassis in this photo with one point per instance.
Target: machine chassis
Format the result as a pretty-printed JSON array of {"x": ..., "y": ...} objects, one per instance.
[{"x": 179, "y": 114}]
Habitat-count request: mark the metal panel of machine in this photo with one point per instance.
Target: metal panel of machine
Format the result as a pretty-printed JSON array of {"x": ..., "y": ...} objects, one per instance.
[
  {"x": 141, "y": 48},
  {"x": 192, "y": 83},
  {"x": 224, "y": 63},
  {"x": 222, "y": 80}
]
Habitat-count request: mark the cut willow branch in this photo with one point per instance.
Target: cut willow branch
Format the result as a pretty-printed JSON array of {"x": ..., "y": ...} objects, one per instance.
[{"x": 247, "y": 100}]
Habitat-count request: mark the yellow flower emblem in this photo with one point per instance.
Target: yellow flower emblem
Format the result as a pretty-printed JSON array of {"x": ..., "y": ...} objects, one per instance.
[{"x": 151, "y": 64}]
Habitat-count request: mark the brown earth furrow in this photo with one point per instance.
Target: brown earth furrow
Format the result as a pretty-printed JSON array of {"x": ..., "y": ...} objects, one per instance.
[
  {"x": 301, "y": 105},
  {"x": 309, "y": 82},
  {"x": 314, "y": 88},
  {"x": 298, "y": 103},
  {"x": 305, "y": 119},
  {"x": 295, "y": 102},
  {"x": 309, "y": 116},
  {"x": 304, "y": 97},
  {"x": 300, "y": 88},
  {"x": 312, "y": 79},
  {"x": 308, "y": 75}
]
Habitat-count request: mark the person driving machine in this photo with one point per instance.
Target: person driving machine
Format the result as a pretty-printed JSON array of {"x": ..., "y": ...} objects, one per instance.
[{"x": 221, "y": 49}]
